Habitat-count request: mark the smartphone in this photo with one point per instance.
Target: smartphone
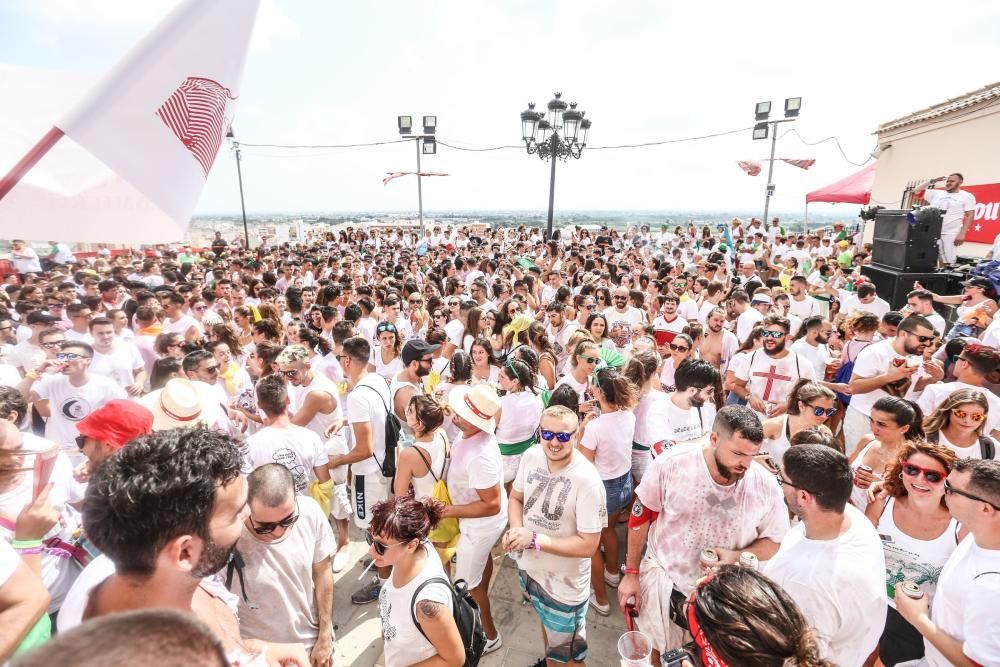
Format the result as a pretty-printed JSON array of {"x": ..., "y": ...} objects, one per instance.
[{"x": 45, "y": 463}]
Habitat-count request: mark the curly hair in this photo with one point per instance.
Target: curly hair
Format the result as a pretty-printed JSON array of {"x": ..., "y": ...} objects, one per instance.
[
  {"x": 750, "y": 621},
  {"x": 160, "y": 487},
  {"x": 894, "y": 475}
]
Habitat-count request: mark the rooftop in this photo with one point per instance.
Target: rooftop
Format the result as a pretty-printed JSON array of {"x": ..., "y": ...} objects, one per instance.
[{"x": 990, "y": 94}]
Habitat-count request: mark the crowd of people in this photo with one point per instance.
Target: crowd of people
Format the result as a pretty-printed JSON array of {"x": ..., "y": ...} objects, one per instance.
[{"x": 723, "y": 432}]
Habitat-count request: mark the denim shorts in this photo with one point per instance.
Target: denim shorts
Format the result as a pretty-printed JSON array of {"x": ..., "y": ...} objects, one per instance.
[{"x": 618, "y": 492}]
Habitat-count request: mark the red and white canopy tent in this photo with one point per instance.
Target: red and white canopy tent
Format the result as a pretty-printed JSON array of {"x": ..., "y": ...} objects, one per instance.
[{"x": 854, "y": 189}]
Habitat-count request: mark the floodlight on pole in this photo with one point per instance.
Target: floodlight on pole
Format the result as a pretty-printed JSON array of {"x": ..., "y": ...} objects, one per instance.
[
  {"x": 429, "y": 146},
  {"x": 764, "y": 128},
  {"x": 792, "y": 106},
  {"x": 405, "y": 124},
  {"x": 760, "y": 131},
  {"x": 426, "y": 145},
  {"x": 430, "y": 124},
  {"x": 762, "y": 111}
]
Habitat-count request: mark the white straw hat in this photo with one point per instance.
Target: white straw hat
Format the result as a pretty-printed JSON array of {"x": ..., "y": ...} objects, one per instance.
[{"x": 477, "y": 405}]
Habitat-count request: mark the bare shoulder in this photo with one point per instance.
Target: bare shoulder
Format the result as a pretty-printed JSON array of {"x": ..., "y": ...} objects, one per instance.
[{"x": 429, "y": 609}]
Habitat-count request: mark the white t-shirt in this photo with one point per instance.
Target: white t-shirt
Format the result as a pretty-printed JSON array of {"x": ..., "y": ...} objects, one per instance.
[
  {"x": 805, "y": 308},
  {"x": 520, "y": 414},
  {"x": 686, "y": 425},
  {"x": 623, "y": 322},
  {"x": 279, "y": 578},
  {"x": 367, "y": 403},
  {"x": 455, "y": 332},
  {"x": 609, "y": 436},
  {"x": 819, "y": 356},
  {"x": 476, "y": 465},
  {"x": 404, "y": 643},
  {"x": 745, "y": 323},
  {"x": 651, "y": 420},
  {"x": 839, "y": 585},
  {"x": 69, "y": 404},
  {"x": 560, "y": 504},
  {"x": 579, "y": 387},
  {"x": 935, "y": 394},
  {"x": 772, "y": 379},
  {"x": 696, "y": 513},
  {"x": 873, "y": 360},
  {"x": 851, "y": 304},
  {"x": 965, "y": 604},
  {"x": 118, "y": 364},
  {"x": 58, "y": 571},
  {"x": 29, "y": 263},
  {"x": 181, "y": 325},
  {"x": 296, "y": 447},
  {"x": 26, "y": 355},
  {"x": 953, "y": 206}
]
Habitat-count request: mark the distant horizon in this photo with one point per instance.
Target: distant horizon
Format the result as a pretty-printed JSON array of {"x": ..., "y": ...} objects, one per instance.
[{"x": 526, "y": 212}]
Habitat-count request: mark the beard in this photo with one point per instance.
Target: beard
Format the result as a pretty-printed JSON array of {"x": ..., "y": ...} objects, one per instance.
[
  {"x": 916, "y": 348},
  {"x": 713, "y": 328},
  {"x": 696, "y": 401},
  {"x": 213, "y": 558},
  {"x": 423, "y": 371},
  {"x": 729, "y": 473},
  {"x": 778, "y": 347}
]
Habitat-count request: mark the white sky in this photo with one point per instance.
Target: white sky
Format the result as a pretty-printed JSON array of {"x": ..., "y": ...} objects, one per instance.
[{"x": 324, "y": 72}]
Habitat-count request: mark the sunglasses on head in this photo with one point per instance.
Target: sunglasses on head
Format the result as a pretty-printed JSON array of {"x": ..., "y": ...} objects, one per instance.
[
  {"x": 380, "y": 548},
  {"x": 268, "y": 527},
  {"x": 962, "y": 414},
  {"x": 772, "y": 334},
  {"x": 679, "y": 348},
  {"x": 932, "y": 476},
  {"x": 382, "y": 328},
  {"x": 561, "y": 436}
]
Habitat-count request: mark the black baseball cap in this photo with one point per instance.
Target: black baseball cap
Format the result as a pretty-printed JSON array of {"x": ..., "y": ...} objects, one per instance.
[
  {"x": 978, "y": 281},
  {"x": 38, "y": 317},
  {"x": 415, "y": 349}
]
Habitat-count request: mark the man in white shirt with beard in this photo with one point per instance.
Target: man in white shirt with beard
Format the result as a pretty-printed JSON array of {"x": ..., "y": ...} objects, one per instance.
[
  {"x": 799, "y": 302},
  {"x": 622, "y": 317},
  {"x": 116, "y": 359},
  {"x": 690, "y": 410},
  {"x": 831, "y": 563},
  {"x": 772, "y": 372}
]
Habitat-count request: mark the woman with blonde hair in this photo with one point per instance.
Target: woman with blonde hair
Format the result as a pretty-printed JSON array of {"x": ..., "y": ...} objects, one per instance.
[
  {"x": 918, "y": 535},
  {"x": 959, "y": 422}
]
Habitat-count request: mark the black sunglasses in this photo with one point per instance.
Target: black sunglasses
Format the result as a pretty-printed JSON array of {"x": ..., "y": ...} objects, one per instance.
[
  {"x": 948, "y": 489},
  {"x": 268, "y": 527},
  {"x": 81, "y": 441},
  {"x": 380, "y": 548},
  {"x": 923, "y": 339},
  {"x": 679, "y": 348},
  {"x": 819, "y": 412},
  {"x": 560, "y": 436}
]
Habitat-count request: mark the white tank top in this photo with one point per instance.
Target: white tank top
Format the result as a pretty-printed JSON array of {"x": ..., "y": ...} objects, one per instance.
[
  {"x": 395, "y": 385},
  {"x": 319, "y": 423},
  {"x": 435, "y": 452},
  {"x": 404, "y": 643},
  {"x": 909, "y": 558},
  {"x": 776, "y": 448},
  {"x": 859, "y": 497}
]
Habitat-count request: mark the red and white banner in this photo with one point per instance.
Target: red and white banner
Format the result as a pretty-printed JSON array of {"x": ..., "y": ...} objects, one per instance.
[
  {"x": 751, "y": 167},
  {"x": 801, "y": 164},
  {"x": 151, "y": 131},
  {"x": 986, "y": 224}
]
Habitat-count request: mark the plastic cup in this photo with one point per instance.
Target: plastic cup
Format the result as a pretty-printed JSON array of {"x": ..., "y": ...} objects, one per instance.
[{"x": 635, "y": 649}]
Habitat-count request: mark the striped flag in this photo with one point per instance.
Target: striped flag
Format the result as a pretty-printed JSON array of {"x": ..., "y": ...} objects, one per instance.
[
  {"x": 390, "y": 175},
  {"x": 801, "y": 164},
  {"x": 751, "y": 167}
]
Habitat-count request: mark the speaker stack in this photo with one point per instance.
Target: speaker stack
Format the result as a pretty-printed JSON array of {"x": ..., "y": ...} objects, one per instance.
[{"x": 904, "y": 251}]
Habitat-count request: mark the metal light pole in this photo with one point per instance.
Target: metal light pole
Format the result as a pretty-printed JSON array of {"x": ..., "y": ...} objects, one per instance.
[
  {"x": 765, "y": 127},
  {"x": 562, "y": 135},
  {"x": 239, "y": 175},
  {"x": 425, "y": 143}
]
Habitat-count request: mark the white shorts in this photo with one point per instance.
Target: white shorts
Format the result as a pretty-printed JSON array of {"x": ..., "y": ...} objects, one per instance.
[
  {"x": 655, "y": 588},
  {"x": 510, "y": 465},
  {"x": 367, "y": 490},
  {"x": 340, "y": 503},
  {"x": 640, "y": 462},
  {"x": 471, "y": 556}
]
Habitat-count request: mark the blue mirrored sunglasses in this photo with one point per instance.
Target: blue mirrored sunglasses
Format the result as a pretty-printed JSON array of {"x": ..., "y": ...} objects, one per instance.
[{"x": 561, "y": 437}]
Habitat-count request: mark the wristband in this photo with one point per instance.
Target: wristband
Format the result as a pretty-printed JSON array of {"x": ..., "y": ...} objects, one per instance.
[
  {"x": 32, "y": 375},
  {"x": 534, "y": 542},
  {"x": 29, "y": 552},
  {"x": 26, "y": 544},
  {"x": 631, "y": 570}
]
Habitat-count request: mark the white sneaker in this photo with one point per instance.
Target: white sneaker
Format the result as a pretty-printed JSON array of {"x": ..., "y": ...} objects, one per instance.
[
  {"x": 612, "y": 580},
  {"x": 602, "y": 609},
  {"x": 493, "y": 644},
  {"x": 341, "y": 558}
]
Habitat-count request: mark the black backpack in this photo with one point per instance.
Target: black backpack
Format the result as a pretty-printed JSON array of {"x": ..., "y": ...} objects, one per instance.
[
  {"x": 986, "y": 449},
  {"x": 466, "y": 612},
  {"x": 392, "y": 429}
]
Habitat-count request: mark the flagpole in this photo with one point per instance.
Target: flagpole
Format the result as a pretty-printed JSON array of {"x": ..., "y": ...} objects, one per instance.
[{"x": 29, "y": 160}]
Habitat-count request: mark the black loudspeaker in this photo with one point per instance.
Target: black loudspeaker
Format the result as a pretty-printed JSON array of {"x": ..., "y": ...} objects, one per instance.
[
  {"x": 907, "y": 240},
  {"x": 893, "y": 286}
]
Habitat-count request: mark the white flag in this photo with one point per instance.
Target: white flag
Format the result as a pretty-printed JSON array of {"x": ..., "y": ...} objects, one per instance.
[{"x": 156, "y": 123}]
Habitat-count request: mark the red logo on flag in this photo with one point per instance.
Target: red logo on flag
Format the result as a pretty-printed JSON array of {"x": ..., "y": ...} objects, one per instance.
[{"x": 196, "y": 114}]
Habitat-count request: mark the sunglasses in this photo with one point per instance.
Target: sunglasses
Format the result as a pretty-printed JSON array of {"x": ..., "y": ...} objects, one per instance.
[
  {"x": 923, "y": 339},
  {"x": 962, "y": 414},
  {"x": 268, "y": 527},
  {"x": 438, "y": 314},
  {"x": 81, "y": 441},
  {"x": 949, "y": 489},
  {"x": 679, "y": 348},
  {"x": 416, "y": 302},
  {"x": 562, "y": 436},
  {"x": 69, "y": 356},
  {"x": 211, "y": 369},
  {"x": 772, "y": 334},
  {"x": 380, "y": 548},
  {"x": 591, "y": 360},
  {"x": 382, "y": 328},
  {"x": 819, "y": 412},
  {"x": 453, "y": 304},
  {"x": 932, "y": 476}
]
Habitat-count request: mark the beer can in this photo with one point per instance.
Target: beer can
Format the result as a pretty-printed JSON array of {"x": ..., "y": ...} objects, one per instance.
[
  {"x": 911, "y": 589},
  {"x": 709, "y": 557},
  {"x": 865, "y": 468},
  {"x": 749, "y": 560}
]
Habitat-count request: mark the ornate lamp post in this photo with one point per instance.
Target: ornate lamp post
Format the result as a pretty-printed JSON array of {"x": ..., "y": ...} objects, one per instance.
[{"x": 562, "y": 135}]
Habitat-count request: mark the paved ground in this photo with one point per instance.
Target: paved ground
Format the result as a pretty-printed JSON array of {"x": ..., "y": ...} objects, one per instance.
[{"x": 359, "y": 639}]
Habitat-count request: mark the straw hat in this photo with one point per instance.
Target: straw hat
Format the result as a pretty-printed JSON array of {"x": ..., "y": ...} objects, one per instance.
[
  {"x": 477, "y": 405},
  {"x": 182, "y": 403}
]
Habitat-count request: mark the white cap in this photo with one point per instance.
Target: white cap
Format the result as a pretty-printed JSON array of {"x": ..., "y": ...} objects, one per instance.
[{"x": 760, "y": 298}]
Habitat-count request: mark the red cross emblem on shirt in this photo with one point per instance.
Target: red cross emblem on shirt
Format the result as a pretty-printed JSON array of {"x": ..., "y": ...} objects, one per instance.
[{"x": 771, "y": 375}]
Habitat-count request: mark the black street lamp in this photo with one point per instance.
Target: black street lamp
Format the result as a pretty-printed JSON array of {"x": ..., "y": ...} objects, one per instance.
[
  {"x": 562, "y": 135},
  {"x": 765, "y": 127},
  {"x": 239, "y": 174}
]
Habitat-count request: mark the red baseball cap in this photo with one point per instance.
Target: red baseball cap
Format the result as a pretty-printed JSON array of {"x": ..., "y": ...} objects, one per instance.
[{"x": 116, "y": 423}]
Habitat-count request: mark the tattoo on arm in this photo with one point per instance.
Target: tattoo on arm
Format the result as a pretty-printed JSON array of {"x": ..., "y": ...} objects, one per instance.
[{"x": 429, "y": 609}]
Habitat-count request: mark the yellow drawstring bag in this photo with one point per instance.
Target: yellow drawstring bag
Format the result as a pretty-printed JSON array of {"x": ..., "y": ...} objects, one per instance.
[{"x": 322, "y": 492}]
